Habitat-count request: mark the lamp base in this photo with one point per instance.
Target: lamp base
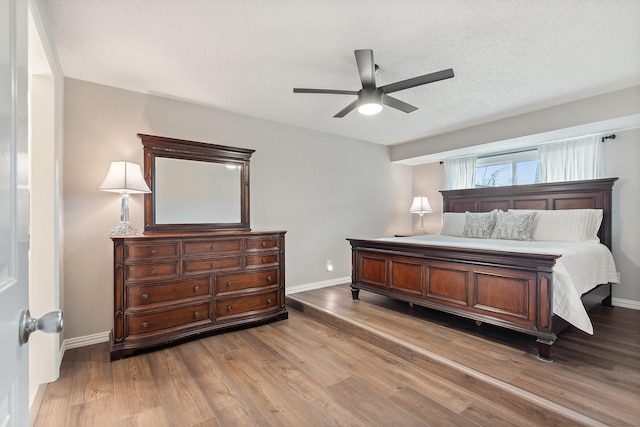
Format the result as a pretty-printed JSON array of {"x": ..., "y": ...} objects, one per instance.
[{"x": 124, "y": 229}]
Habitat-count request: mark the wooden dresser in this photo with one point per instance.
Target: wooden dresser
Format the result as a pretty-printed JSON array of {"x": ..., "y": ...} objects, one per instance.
[{"x": 169, "y": 287}]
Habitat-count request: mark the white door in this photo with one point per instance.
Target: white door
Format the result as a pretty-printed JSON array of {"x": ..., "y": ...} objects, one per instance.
[{"x": 14, "y": 212}]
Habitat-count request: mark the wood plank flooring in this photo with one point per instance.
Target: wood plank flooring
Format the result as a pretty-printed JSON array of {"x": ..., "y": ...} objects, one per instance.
[
  {"x": 374, "y": 362},
  {"x": 597, "y": 376}
]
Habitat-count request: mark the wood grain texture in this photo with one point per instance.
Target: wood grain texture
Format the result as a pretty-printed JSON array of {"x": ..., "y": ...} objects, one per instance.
[
  {"x": 134, "y": 387},
  {"x": 597, "y": 376},
  {"x": 169, "y": 287},
  {"x": 342, "y": 362}
]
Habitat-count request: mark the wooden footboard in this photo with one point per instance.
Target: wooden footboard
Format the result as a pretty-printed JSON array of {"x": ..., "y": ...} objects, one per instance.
[{"x": 511, "y": 290}]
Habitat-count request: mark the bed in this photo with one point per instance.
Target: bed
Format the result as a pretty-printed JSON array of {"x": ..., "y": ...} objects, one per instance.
[{"x": 511, "y": 286}]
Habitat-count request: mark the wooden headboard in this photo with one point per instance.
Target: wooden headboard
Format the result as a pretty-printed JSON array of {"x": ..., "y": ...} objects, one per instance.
[{"x": 588, "y": 194}]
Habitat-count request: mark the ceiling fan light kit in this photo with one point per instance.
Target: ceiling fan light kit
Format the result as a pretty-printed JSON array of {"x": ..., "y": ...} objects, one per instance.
[
  {"x": 370, "y": 109},
  {"x": 371, "y": 98},
  {"x": 370, "y": 101}
]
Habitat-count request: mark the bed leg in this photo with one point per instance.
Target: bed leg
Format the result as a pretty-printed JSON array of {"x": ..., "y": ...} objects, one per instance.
[
  {"x": 607, "y": 301},
  {"x": 544, "y": 350},
  {"x": 354, "y": 293}
]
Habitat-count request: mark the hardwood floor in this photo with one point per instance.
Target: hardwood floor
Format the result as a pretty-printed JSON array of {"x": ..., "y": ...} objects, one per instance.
[
  {"x": 595, "y": 376},
  {"x": 374, "y": 362}
]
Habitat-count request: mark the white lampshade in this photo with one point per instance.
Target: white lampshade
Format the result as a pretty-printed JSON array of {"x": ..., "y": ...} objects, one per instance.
[
  {"x": 420, "y": 205},
  {"x": 124, "y": 177}
]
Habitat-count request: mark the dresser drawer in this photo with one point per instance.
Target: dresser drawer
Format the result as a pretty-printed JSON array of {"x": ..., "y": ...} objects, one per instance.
[
  {"x": 216, "y": 264},
  {"x": 170, "y": 287},
  {"x": 255, "y": 261},
  {"x": 212, "y": 247},
  {"x": 150, "y": 271},
  {"x": 140, "y": 251},
  {"x": 151, "y": 322},
  {"x": 262, "y": 244},
  {"x": 141, "y": 295},
  {"x": 237, "y": 282},
  {"x": 243, "y": 305}
]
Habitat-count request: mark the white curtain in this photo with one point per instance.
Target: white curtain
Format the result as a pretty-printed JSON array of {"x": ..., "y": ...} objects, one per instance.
[
  {"x": 459, "y": 173},
  {"x": 572, "y": 160}
]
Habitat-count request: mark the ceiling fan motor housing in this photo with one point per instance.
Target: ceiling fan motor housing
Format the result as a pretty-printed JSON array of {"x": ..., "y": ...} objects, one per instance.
[{"x": 370, "y": 96}]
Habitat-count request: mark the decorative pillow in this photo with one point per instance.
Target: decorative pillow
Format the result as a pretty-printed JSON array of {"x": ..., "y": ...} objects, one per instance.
[
  {"x": 479, "y": 225},
  {"x": 453, "y": 224},
  {"x": 514, "y": 226},
  {"x": 566, "y": 225}
]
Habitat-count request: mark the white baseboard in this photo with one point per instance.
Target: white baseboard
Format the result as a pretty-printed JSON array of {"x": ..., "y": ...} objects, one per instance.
[
  {"x": 626, "y": 303},
  {"x": 104, "y": 336},
  {"x": 317, "y": 285},
  {"x": 83, "y": 341}
]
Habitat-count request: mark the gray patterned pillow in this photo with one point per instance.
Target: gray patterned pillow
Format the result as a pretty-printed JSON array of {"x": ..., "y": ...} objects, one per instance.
[
  {"x": 479, "y": 225},
  {"x": 511, "y": 226}
]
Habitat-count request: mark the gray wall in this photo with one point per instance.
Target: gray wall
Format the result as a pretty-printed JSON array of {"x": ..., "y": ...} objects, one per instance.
[
  {"x": 620, "y": 159},
  {"x": 320, "y": 188}
]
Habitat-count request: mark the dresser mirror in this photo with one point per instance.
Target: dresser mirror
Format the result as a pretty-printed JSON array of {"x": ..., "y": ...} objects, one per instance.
[{"x": 195, "y": 186}]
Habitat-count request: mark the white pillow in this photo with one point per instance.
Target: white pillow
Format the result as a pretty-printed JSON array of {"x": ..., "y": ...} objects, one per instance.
[
  {"x": 453, "y": 224},
  {"x": 514, "y": 226},
  {"x": 566, "y": 225}
]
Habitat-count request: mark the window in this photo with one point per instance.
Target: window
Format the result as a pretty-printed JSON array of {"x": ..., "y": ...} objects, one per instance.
[{"x": 508, "y": 169}]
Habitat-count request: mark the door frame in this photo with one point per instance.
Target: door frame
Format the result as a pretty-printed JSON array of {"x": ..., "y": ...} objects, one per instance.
[{"x": 46, "y": 82}]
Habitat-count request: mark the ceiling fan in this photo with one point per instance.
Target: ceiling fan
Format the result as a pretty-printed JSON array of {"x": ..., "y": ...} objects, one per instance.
[{"x": 370, "y": 97}]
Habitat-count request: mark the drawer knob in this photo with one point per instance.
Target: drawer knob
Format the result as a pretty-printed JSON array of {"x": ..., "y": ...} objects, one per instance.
[
  {"x": 229, "y": 284},
  {"x": 264, "y": 244},
  {"x": 145, "y": 296},
  {"x": 264, "y": 260},
  {"x": 153, "y": 271},
  {"x": 145, "y": 324},
  {"x": 196, "y": 314},
  {"x": 269, "y": 279},
  {"x": 196, "y": 288},
  {"x": 213, "y": 247},
  {"x": 269, "y": 301},
  {"x": 213, "y": 265},
  {"x": 229, "y": 307},
  {"x": 154, "y": 251}
]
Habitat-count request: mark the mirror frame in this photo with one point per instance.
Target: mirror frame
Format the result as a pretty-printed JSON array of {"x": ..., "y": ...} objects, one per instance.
[{"x": 159, "y": 146}]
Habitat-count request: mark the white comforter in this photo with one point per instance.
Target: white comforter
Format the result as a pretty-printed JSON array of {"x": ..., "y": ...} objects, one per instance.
[{"x": 581, "y": 267}]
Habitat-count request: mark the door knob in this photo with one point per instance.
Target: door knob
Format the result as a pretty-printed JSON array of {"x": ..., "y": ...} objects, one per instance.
[{"x": 50, "y": 322}]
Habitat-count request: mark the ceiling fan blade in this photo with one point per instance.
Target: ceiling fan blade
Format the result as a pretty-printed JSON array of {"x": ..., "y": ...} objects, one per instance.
[
  {"x": 397, "y": 104},
  {"x": 366, "y": 67},
  {"x": 346, "y": 110},
  {"x": 417, "y": 81},
  {"x": 330, "y": 91}
]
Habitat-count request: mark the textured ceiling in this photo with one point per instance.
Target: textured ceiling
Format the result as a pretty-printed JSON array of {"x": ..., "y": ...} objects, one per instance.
[{"x": 509, "y": 56}]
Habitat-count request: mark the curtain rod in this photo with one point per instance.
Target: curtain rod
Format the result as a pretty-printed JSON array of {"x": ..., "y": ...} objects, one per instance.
[
  {"x": 502, "y": 153},
  {"x": 612, "y": 136},
  {"x": 506, "y": 153}
]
